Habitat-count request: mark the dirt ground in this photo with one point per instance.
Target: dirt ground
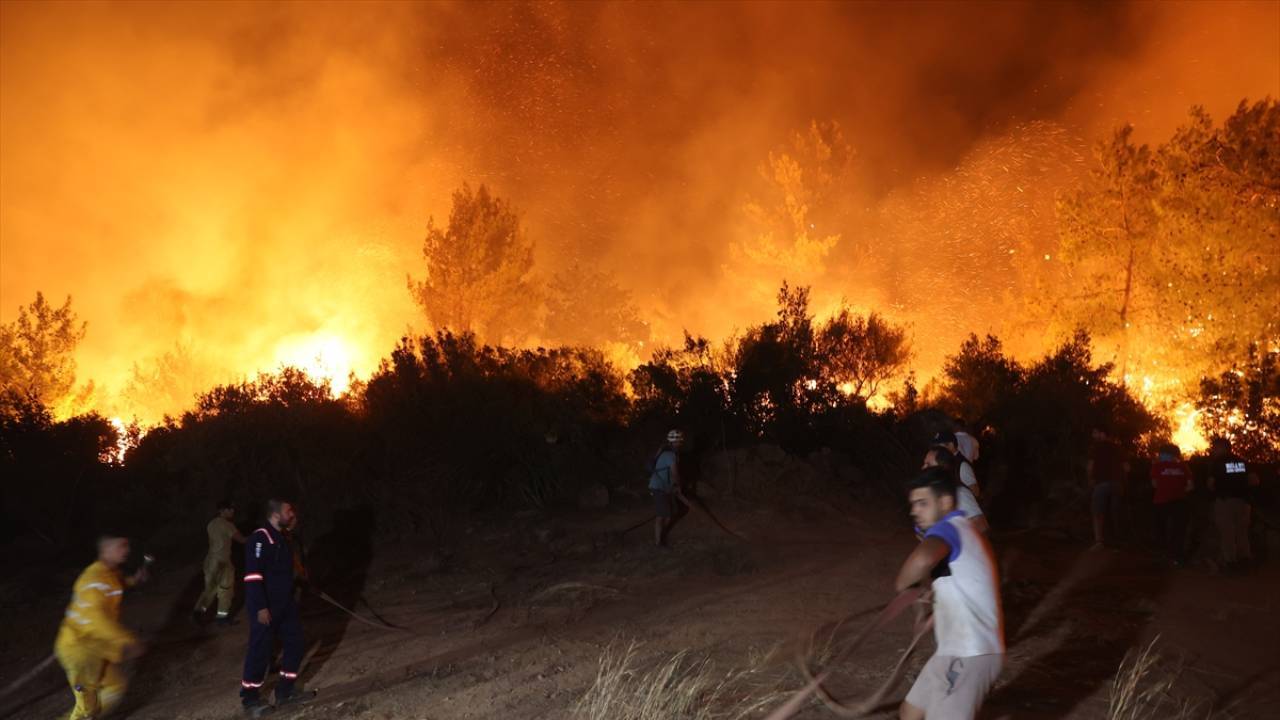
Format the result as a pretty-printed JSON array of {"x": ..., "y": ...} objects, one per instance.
[{"x": 513, "y": 623}]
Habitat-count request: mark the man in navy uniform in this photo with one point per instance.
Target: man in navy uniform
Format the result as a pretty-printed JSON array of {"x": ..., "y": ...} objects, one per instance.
[
  {"x": 1229, "y": 480},
  {"x": 273, "y": 612}
]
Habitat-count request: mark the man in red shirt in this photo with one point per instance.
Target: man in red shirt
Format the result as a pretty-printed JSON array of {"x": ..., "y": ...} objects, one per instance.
[{"x": 1171, "y": 481}]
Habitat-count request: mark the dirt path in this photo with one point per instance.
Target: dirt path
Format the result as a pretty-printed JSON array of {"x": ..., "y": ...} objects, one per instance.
[{"x": 567, "y": 587}]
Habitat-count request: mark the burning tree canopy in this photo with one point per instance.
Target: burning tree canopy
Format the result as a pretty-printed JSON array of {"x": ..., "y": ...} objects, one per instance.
[
  {"x": 586, "y": 306},
  {"x": 477, "y": 268},
  {"x": 611, "y": 178},
  {"x": 168, "y": 383},
  {"x": 1243, "y": 404},
  {"x": 37, "y": 358},
  {"x": 796, "y": 221},
  {"x": 1174, "y": 250}
]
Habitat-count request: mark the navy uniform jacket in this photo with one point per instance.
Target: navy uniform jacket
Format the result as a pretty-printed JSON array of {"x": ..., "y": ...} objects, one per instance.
[
  {"x": 1230, "y": 477},
  {"x": 268, "y": 570}
]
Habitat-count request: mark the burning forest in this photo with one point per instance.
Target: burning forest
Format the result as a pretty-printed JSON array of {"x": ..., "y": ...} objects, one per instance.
[{"x": 586, "y": 360}]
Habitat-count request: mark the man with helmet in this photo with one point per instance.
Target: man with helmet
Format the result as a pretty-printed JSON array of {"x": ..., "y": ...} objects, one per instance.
[{"x": 664, "y": 485}]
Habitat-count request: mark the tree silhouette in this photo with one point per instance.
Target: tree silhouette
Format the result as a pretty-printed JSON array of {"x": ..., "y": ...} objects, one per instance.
[
  {"x": 1243, "y": 405},
  {"x": 857, "y": 354},
  {"x": 978, "y": 380}
]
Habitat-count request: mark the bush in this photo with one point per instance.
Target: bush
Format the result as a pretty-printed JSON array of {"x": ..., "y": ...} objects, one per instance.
[
  {"x": 504, "y": 427},
  {"x": 448, "y": 426},
  {"x": 57, "y": 475},
  {"x": 1039, "y": 419}
]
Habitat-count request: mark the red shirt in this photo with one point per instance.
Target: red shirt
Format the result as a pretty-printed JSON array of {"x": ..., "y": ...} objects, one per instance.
[{"x": 1170, "y": 479}]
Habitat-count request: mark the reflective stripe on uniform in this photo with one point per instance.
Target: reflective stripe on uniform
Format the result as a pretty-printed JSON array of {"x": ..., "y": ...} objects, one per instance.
[{"x": 253, "y": 577}]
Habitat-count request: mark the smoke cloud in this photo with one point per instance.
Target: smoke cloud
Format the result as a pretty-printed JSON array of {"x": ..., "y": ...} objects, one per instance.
[{"x": 252, "y": 181}]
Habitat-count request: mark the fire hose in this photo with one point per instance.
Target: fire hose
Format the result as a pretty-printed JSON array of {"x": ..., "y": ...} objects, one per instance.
[
  {"x": 697, "y": 504},
  {"x": 872, "y": 702},
  {"x": 379, "y": 625},
  {"x": 13, "y": 686},
  {"x": 793, "y": 705}
]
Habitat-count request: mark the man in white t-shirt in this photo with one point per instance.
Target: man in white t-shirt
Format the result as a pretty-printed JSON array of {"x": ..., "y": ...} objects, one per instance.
[
  {"x": 967, "y": 621},
  {"x": 968, "y": 445},
  {"x": 966, "y": 499},
  {"x": 967, "y": 476}
]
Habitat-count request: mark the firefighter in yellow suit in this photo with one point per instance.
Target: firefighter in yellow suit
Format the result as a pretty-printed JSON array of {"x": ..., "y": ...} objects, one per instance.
[
  {"x": 219, "y": 573},
  {"x": 91, "y": 642}
]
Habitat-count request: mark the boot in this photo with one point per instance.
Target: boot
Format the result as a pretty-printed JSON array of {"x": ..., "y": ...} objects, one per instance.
[
  {"x": 257, "y": 709},
  {"x": 297, "y": 696}
]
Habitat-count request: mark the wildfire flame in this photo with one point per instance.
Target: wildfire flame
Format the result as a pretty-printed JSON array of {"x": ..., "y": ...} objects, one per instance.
[
  {"x": 1187, "y": 435},
  {"x": 127, "y": 438},
  {"x": 323, "y": 356},
  {"x": 289, "y": 179}
]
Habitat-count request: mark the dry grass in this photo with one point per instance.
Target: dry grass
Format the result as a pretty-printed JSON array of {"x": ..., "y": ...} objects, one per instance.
[
  {"x": 682, "y": 687},
  {"x": 1141, "y": 690}
]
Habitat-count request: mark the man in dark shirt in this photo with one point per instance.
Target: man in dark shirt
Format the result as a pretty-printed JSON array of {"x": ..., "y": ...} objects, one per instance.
[
  {"x": 1106, "y": 471},
  {"x": 1229, "y": 481}
]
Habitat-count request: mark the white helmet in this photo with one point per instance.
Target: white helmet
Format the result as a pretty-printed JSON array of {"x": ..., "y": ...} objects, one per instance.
[{"x": 675, "y": 436}]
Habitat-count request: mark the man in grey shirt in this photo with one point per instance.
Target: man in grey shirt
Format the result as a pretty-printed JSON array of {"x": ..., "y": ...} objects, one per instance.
[{"x": 664, "y": 485}]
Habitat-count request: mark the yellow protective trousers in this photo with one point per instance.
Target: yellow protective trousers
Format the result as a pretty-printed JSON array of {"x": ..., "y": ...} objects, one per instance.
[
  {"x": 98, "y": 684},
  {"x": 220, "y": 582}
]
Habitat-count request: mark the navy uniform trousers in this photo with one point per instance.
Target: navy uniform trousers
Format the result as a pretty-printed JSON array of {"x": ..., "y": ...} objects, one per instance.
[{"x": 285, "y": 626}]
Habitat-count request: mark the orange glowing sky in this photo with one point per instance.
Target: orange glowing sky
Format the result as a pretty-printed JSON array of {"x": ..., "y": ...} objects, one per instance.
[{"x": 249, "y": 184}]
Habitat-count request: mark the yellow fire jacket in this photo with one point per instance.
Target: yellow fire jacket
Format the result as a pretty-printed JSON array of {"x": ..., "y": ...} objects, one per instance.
[{"x": 92, "y": 624}]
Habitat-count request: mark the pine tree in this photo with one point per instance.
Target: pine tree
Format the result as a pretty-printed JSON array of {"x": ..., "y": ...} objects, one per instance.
[{"x": 478, "y": 269}]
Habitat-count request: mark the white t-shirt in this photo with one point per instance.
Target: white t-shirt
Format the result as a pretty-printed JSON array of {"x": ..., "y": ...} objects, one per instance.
[
  {"x": 967, "y": 503},
  {"x": 967, "y": 619},
  {"x": 967, "y": 445},
  {"x": 967, "y": 476}
]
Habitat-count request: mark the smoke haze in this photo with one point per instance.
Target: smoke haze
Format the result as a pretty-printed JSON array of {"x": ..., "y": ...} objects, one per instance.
[{"x": 251, "y": 183}]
